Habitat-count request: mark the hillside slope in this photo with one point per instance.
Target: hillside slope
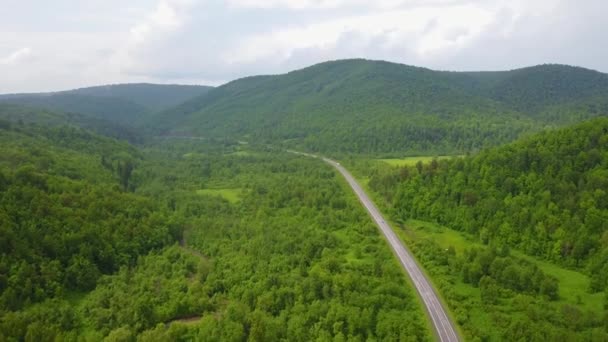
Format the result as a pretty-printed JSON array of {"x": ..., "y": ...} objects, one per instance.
[
  {"x": 152, "y": 96},
  {"x": 19, "y": 115},
  {"x": 532, "y": 89},
  {"x": 351, "y": 106},
  {"x": 102, "y": 241},
  {"x": 66, "y": 218},
  {"x": 373, "y": 106},
  {"x": 121, "y": 103},
  {"x": 544, "y": 195}
]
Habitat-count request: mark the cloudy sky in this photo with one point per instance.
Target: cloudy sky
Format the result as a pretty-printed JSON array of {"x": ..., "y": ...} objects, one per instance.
[{"x": 62, "y": 44}]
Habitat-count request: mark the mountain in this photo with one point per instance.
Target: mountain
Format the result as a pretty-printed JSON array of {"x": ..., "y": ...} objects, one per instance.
[
  {"x": 152, "y": 96},
  {"x": 113, "y": 109},
  {"x": 532, "y": 89},
  {"x": 20, "y": 115},
  {"x": 352, "y": 106},
  {"x": 121, "y": 103},
  {"x": 374, "y": 106},
  {"x": 544, "y": 195}
]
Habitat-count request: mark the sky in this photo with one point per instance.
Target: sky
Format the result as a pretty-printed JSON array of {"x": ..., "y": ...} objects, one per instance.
[{"x": 65, "y": 44}]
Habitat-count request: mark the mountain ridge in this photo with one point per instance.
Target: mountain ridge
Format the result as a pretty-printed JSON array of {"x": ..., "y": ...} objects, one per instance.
[
  {"x": 333, "y": 106},
  {"x": 352, "y": 106},
  {"x": 122, "y": 104},
  {"x": 118, "y": 90}
]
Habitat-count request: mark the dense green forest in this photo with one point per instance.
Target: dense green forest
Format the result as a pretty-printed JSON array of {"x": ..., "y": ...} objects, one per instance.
[
  {"x": 159, "y": 213},
  {"x": 352, "y": 107},
  {"x": 14, "y": 115},
  {"x": 66, "y": 219},
  {"x": 375, "y": 107},
  {"x": 497, "y": 295},
  {"x": 544, "y": 196},
  {"x": 124, "y": 104},
  {"x": 101, "y": 239},
  {"x": 152, "y": 96},
  {"x": 118, "y": 110}
]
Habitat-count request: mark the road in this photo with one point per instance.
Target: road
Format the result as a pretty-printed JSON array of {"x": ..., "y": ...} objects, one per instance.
[{"x": 443, "y": 326}]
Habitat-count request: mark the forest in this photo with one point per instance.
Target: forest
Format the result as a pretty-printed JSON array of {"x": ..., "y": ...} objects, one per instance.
[
  {"x": 545, "y": 195},
  {"x": 103, "y": 240},
  {"x": 542, "y": 196},
  {"x": 175, "y": 213},
  {"x": 375, "y": 108}
]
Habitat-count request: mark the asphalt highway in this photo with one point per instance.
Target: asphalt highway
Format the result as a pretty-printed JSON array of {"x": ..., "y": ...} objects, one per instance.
[{"x": 443, "y": 326}]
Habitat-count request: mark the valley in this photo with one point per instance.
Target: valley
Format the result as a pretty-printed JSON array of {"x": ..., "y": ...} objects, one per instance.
[{"x": 142, "y": 212}]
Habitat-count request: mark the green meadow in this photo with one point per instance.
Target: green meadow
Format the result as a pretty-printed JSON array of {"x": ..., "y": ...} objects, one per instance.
[
  {"x": 410, "y": 161},
  {"x": 573, "y": 285},
  {"x": 231, "y": 195}
]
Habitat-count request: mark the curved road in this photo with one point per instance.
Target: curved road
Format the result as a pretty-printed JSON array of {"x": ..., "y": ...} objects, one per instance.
[{"x": 442, "y": 324}]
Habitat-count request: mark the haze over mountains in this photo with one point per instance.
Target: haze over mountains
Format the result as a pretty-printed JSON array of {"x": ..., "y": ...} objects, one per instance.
[
  {"x": 357, "y": 105},
  {"x": 121, "y": 103}
]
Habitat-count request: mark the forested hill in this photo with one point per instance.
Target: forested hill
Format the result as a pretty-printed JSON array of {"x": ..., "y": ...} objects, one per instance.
[
  {"x": 67, "y": 217},
  {"x": 120, "y": 103},
  {"x": 545, "y": 195},
  {"x": 19, "y": 115},
  {"x": 530, "y": 90},
  {"x": 151, "y": 96},
  {"x": 374, "y": 106},
  {"x": 188, "y": 240},
  {"x": 351, "y": 106}
]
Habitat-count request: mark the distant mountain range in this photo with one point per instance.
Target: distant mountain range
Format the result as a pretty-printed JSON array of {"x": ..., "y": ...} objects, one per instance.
[
  {"x": 120, "y": 103},
  {"x": 353, "y": 106},
  {"x": 373, "y": 106}
]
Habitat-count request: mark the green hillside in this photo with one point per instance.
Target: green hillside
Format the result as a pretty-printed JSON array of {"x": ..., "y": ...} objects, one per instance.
[
  {"x": 372, "y": 106},
  {"x": 118, "y": 110},
  {"x": 352, "y": 106},
  {"x": 103, "y": 240},
  {"x": 18, "y": 115},
  {"x": 207, "y": 229},
  {"x": 65, "y": 217},
  {"x": 544, "y": 195},
  {"x": 152, "y": 96},
  {"x": 532, "y": 89},
  {"x": 123, "y": 104},
  {"x": 515, "y": 237}
]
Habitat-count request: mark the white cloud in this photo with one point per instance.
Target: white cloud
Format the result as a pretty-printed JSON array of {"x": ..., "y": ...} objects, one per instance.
[
  {"x": 333, "y": 4},
  {"x": 164, "y": 18},
  {"x": 137, "y": 52},
  {"x": 212, "y": 41},
  {"x": 293, "y": 4},
  {"x": 193, "y": 42},
  {"x": 16, "y": 57},
  {"x": 417, "y": 32}
]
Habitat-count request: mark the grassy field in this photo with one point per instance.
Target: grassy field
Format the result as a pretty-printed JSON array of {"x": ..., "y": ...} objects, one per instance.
[
  {"x": 242, "y": 153},
  {"x": 231, "y": 195},
  {"x": 445, "y": 237},
  {"x": 411, "y": 161},
  {"x": 193, "y": 155},
  {"x": 573, "y": 285}
]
